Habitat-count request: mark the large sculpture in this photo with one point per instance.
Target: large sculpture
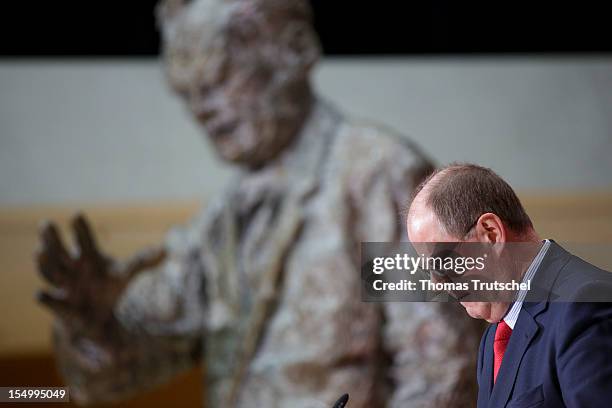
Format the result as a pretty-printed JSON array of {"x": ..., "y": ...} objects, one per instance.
[{"x": 264, "y": 285}]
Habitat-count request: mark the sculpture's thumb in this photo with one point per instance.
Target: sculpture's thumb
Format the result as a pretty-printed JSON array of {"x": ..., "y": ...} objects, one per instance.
[{"x": 144, "y": 260}]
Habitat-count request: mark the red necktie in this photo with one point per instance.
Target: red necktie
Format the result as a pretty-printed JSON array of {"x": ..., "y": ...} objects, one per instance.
[{"x": 502, "y": 336}]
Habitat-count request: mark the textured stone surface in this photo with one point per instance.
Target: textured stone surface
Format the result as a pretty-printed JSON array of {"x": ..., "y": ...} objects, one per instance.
[{"x": 263, "y": 285}]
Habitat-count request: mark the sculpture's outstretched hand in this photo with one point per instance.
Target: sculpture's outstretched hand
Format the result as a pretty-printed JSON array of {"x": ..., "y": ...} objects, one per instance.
[
  {"x": 100, "y": 358},
  {"x": 85, "y": 284}
]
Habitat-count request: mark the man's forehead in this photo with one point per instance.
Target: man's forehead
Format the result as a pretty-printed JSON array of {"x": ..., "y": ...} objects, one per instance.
[{"x": 420, "y": 221}]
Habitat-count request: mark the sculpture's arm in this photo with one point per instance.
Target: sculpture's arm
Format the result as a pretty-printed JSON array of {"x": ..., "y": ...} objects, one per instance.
[{"x": 116, "y": 333}]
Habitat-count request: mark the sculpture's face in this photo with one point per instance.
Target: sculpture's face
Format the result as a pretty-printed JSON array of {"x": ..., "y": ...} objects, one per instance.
[{"x": 243, "y": 74}]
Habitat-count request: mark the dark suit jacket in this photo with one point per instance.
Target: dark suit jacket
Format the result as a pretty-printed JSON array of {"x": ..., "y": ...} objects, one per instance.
[{"x": 560, "y": 352}]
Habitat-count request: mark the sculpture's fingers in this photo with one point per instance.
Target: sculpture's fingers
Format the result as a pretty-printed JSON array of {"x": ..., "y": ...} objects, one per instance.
[
  {"x": 144, "y": 260},
  {"x": 51, "y": 268},
  {"x": 52, "y": 241},
  {"x": 57, "y": 303},
  {"x": 53, "y": 259},
  {"x": 84, "y": 237}
]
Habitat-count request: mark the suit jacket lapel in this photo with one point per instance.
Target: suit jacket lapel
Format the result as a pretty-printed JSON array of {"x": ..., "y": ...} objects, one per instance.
[
  {"x": 526, "y": 327},
  {"x": 486, "y": 376}
]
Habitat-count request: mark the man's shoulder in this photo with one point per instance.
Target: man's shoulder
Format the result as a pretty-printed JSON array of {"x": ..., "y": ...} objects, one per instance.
[
  {"x": 579, "y": 293},
  {"x": 580, "y": 281},
  {"x": 582, "y": 297}
]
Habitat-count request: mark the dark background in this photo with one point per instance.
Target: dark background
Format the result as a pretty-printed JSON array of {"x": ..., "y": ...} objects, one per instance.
[{"x": 127, "y": 27}]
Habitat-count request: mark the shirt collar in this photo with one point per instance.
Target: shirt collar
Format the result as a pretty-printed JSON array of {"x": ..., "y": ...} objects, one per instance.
[{"x": 512, "y": 315}]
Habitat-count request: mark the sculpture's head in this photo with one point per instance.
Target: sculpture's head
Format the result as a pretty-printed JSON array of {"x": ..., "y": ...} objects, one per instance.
[{"x": 243, "y": 68}]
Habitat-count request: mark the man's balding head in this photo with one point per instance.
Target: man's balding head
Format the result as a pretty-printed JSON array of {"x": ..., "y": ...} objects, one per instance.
[
  {"x": 468, "y": 203},
  {"x": 453, "y": 198}
]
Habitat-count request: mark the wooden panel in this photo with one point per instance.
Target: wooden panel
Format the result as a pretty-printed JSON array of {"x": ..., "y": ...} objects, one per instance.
[
  {"x": 582, "y": 224},
  {"x": 584, "y": 218},
  {"x": 573, "y": 218},
  {"x": 39, "y": 370}
]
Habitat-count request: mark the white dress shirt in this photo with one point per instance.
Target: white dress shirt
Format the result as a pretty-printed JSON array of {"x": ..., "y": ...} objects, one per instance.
[{"x": 512, "y": 315}]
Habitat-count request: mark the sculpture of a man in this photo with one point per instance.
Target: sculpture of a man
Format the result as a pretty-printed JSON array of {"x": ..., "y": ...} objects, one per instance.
[{"x": 264, "y": 285}]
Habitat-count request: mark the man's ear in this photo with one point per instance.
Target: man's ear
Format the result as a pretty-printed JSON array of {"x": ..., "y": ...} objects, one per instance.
[
  {"x": 490, "y": 228},
  {"x": 300, "y": 46}
]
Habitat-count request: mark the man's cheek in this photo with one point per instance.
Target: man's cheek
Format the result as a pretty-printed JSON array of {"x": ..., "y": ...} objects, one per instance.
[
  {"x": 477, "y": 311},
  {"x": 473, "y": 312}
]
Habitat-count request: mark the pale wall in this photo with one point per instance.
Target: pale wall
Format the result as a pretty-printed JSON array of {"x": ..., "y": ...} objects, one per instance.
[{"x": 109, "y": 130}]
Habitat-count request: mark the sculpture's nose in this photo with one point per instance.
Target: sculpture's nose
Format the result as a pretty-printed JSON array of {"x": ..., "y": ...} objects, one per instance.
[
  {"x": 204, "y": 107},
  {"x": 205, "y": 114}
]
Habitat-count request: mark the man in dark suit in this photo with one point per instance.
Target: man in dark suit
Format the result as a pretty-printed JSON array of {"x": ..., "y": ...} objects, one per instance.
[{"x": 552, "y": 345}]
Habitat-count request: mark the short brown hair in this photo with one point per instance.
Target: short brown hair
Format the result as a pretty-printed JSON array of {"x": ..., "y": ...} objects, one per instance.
[{"x": 460, "y": 193}]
